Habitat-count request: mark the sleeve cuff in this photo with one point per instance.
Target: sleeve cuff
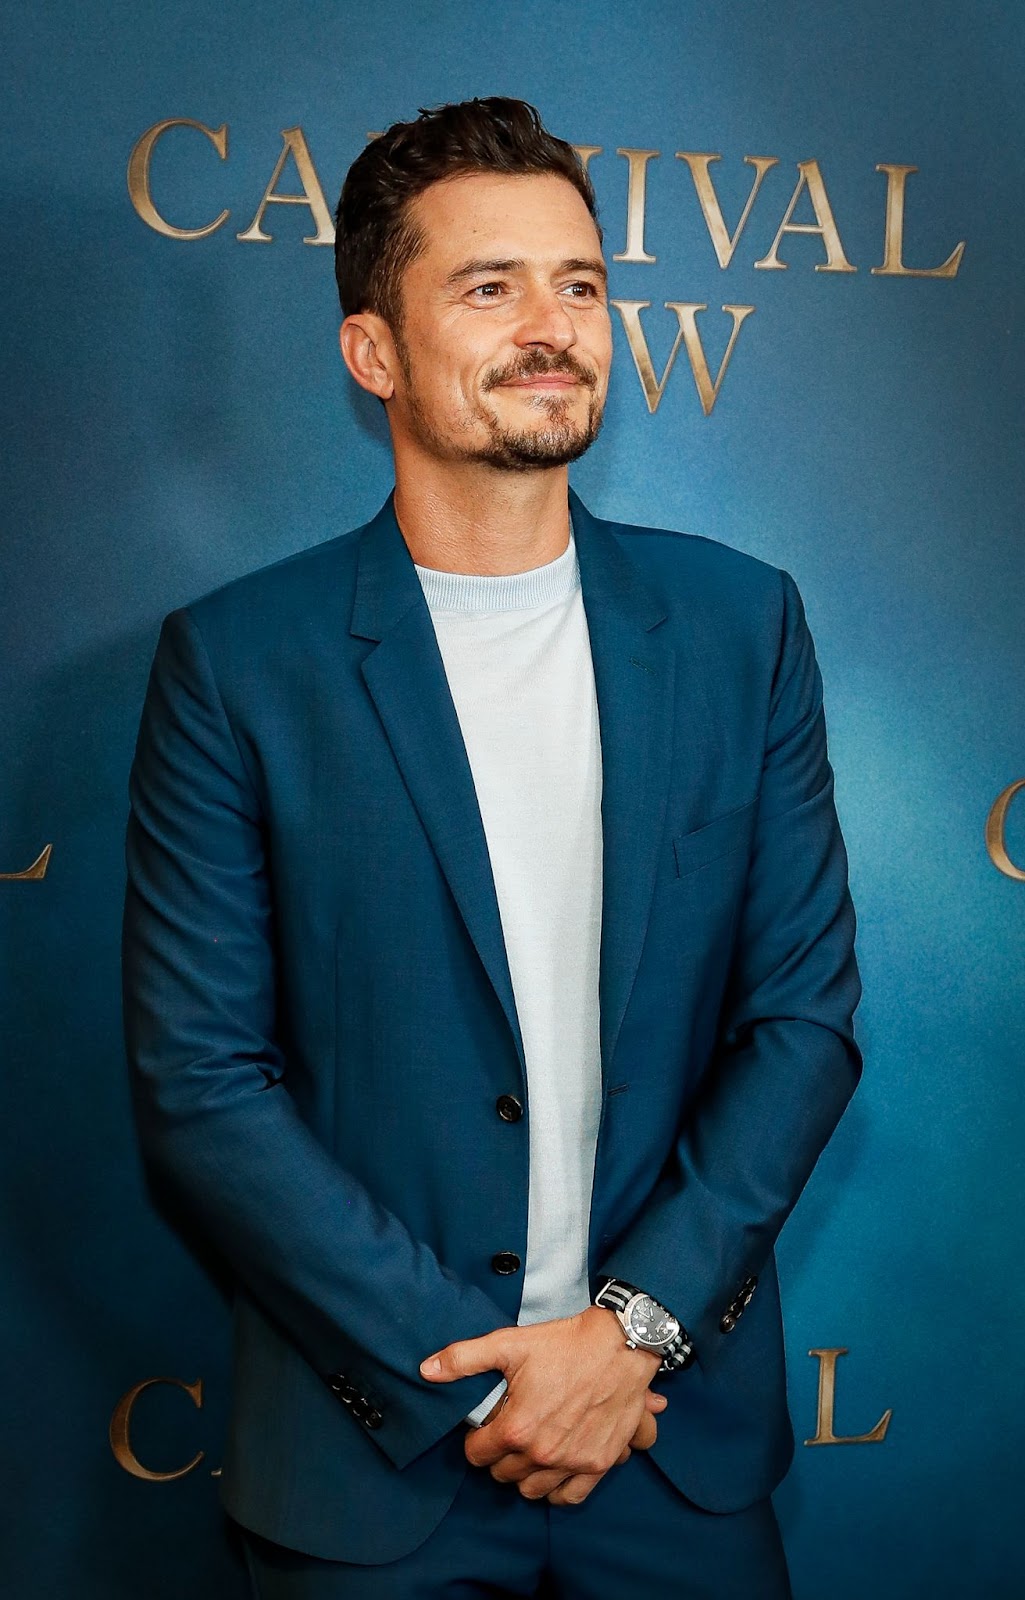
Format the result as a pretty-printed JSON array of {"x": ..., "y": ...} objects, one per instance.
[{"x": 476, "y": 1417}]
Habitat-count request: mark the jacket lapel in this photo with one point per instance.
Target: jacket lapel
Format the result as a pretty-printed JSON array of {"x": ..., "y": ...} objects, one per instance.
[
  {"x": 634, "y": 679},
  {"x": 406, "y": 679},
  {"x": 634, "y": 674}
]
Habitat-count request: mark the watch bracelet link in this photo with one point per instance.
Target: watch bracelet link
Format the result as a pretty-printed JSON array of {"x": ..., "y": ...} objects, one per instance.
[{"x": 679, "y": 1353}]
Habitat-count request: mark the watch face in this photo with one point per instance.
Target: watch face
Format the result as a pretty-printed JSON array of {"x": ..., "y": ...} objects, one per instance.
[{"x": 651, "y": 1323}]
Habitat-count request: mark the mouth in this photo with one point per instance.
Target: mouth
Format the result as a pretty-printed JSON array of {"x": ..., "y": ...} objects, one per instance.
[{"x": 549, "y": 381}]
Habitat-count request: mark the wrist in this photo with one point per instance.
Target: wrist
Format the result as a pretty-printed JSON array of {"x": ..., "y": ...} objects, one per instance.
[
  {"x": 647, "y": 1324},
  {"x": 611, "y": 1329}
]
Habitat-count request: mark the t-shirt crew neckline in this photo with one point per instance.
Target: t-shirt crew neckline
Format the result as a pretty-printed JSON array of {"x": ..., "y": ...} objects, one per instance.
[{"x": 507, "y": 591}]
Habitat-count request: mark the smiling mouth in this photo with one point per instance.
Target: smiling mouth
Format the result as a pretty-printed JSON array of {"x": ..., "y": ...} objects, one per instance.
[{"x": 549, "y": 382}]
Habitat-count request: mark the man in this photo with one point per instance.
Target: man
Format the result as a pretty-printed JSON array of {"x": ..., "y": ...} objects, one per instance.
[{"x": 488, "y": 953}]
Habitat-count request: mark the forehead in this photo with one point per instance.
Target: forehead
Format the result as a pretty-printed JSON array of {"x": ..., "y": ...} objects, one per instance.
[{"x": 499, "y": 216}]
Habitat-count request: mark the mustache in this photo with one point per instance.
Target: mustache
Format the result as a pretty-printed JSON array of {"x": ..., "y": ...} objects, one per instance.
[{"x": 535, "y": 364}]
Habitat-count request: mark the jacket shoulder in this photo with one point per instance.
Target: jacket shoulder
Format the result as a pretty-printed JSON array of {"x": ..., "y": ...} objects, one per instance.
[
  {"x": 278, "y": 594},
  {"x": 699, "y": 576}
]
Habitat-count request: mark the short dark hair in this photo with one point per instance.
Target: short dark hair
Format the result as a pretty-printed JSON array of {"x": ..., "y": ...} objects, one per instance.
[{"x": 374, "y": 239}]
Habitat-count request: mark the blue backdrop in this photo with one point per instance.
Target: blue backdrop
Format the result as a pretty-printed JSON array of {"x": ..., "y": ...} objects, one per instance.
[{"x": 177, "y": 413}]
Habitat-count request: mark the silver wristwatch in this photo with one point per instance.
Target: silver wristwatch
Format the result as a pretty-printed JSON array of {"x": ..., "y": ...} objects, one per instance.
[{"x": 647, "y": 1325}]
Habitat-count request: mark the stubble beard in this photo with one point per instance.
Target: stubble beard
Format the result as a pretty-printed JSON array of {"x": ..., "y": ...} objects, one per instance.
[{"x": 511, "y": 449}]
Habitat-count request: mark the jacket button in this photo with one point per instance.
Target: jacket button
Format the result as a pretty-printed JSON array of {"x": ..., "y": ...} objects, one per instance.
[
  {"x": 360, "y": 1407},
  {"x": 348, "y": 1394},
  {"x": 373, "y": 1419},
  {"x": 509, "y": 1108},
  {"x": 727, "y": 1322},
  {"x": 505, "y": 1262}
]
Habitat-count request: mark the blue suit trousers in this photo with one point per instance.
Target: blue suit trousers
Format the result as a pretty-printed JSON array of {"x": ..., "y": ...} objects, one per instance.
[{"x": 634, "y": 1534}]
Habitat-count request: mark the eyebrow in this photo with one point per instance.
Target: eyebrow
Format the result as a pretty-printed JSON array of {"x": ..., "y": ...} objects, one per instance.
[{"x": 473, "y": 269}]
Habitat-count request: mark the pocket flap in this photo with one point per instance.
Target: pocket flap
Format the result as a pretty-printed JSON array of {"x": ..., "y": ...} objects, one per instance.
[{"x": 716, "y": 838}]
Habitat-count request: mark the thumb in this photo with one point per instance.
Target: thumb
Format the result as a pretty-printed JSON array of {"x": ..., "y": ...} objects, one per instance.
[{"x": 490, "y": 1353}]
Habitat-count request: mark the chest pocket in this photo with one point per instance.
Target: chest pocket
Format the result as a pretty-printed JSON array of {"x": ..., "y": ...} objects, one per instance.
[{"x": 715, "y": 839}]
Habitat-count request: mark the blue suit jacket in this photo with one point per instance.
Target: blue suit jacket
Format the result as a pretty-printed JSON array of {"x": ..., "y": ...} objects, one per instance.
[{"x": 320, "y": 1019}]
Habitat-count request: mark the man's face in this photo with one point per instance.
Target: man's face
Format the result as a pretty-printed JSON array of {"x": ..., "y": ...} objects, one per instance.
[{"x": 506, "y": 344}]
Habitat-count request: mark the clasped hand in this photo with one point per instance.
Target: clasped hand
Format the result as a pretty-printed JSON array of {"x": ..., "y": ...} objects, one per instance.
[{"x": 577, "y": 1402}]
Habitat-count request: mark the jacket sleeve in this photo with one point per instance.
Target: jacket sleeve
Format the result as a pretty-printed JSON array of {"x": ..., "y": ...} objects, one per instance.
[
  {"x": 210, "y": 1083},
  {"x": 786, "y": 1062}
]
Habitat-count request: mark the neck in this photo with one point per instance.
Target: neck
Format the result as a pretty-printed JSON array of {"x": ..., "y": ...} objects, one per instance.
[{"x": 479, "y": 519}]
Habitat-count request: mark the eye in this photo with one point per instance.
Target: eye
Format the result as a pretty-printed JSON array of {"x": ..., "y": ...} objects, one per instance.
[
  {"x": 482, "y": 289},
  {"x": 589, "y": 290}
]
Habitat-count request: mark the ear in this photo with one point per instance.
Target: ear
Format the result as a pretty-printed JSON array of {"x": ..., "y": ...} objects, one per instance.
[{"x": 368, "y": 351}]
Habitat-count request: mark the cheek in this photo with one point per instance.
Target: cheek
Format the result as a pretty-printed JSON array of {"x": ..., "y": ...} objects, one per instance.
[
  {"x": 456, "y": 397},
  {"x": 440, "y": 386},
  {"x": 447, "y": 377},
  {"x": 450, "y": 375},
  {"x": 603, "y": 351}
]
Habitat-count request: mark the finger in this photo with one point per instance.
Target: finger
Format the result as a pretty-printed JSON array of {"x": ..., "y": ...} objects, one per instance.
[
  {"x": 514, "y": 1466},
  {"x": 517, "y": 1467},
  {"x": 573, "y": 1490},
  {"x": 490, "y": 1353},
  {"x": 484, "y": 1447},
  {"x": 655, "y": 1402},
  {"x": 536, "y": 1485},
  {"x": 646, "y": 1432}
]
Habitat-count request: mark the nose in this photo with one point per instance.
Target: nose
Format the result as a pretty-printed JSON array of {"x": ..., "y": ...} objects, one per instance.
[{"x": 545, "y": 320}]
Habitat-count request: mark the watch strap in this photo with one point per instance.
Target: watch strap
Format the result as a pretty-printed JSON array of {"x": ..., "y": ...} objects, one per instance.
[{"x": 678, "y": 1353}]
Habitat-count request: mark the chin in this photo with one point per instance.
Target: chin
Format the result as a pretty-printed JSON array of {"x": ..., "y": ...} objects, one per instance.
[{"x": 527, "y": 451}]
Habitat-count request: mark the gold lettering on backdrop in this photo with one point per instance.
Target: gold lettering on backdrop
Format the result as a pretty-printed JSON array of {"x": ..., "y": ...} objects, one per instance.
[
  {"x": 138, "y": 176},
  {"x": 687, "y": 333},
  {"x": 893, "y": 237},
  {"x": 120, "y": 1424},
  {"x": 996, "y": 834},
  {"x": 824, "y": 224},
  {"x": 35, "y": 871},
  {"x": 313, "y": 195},
  {"x": 636, "y": 186},
  {"x": 824, "y": 1433},
  {"x": 586, "y": 151},
  {"x": 723, "y": 242}
]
